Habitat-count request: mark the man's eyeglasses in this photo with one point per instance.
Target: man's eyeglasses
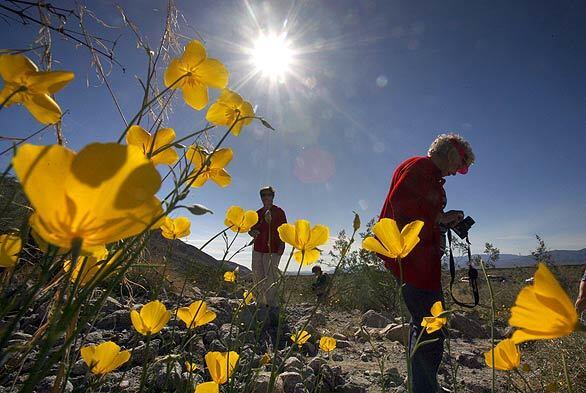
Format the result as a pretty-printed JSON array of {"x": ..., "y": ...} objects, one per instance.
[{"x": 264, "y": 194}]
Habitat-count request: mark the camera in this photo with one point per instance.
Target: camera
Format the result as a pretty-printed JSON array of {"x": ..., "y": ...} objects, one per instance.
[{"x": 463, "y": 227}]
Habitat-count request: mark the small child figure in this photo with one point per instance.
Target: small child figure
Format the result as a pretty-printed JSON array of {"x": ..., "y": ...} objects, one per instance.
[{"x": 320, "y": 286}]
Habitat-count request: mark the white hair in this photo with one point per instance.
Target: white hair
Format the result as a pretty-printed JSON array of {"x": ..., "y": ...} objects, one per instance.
[{"x": 444, "y": 146}]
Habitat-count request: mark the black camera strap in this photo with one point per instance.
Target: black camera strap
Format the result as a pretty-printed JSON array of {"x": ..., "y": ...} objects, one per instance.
[{"x": 472, "y": 274}]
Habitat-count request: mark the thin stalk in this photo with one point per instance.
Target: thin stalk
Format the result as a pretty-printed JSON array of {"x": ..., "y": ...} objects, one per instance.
[{"x": 492, "y": 314}]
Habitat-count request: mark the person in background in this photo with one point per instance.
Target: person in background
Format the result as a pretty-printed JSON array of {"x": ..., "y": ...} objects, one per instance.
[
  {"x": 581, "y": 300},
  {"x": 416, "y": 193},
  {"x": 267, "y": 251},
  {"x": 320, "y": 286}
]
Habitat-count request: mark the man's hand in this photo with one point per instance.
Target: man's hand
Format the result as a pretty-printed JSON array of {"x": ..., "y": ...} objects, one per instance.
[
  {"x": 451, "y": 218},
  {"x": 254, "y": 233}
]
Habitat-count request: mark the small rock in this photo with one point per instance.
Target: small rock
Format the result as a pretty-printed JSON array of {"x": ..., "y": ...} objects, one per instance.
[
  {"x": 336, "y": 357},
  {"x": 398, "y": 333},
  {"x": 293, "y": 364},
  {"x": 316, "y": 363},
  {"x": 351, "y": 387},
  {"x": 374, "y": 319},
  {"x": 342, "y": 344},
  {"x": 339, "y": 337}
]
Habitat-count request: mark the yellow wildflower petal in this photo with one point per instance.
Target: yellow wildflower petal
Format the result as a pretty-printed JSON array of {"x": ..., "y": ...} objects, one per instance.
[
  {"x": 213, "y": 73},
  {"x": 374, "y": 245},
  {"x": 319, "y": 234},
  {"x": 327, "y": 344},
  {"x": 250, "y": 220},
  {"x": 388, "y": 234},
  {"x": 221, "y": 177},
  {"x": 10, "y": 246},
  {"x": 437, "y": 308},
  {"x": 137, "y": 322},
  {"x": 507, "y": 356},
  {"x": 207, "y": 387},
  {"x": 50, "y": 81},
  {"x": 139, "y": 137},
  {"x": 221, "y": 158},
  {"x": 302, "y": 233},
  {"x": 154, "y": 316},
  {"x": 306, "y": 257},
  {"x": 174, "y": 73},
  {"x": 287, "y": 234},
  {"x": 13, "y": 67},
  {"x": 43, "y": 108},
  {"x": 410, "y": 235},
  {"x": 194, "y": 53},
  {"x": 195, "y": 95}
]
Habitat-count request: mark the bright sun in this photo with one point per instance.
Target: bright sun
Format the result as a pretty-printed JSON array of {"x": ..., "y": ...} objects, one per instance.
[{"x": 272, "y": 55}]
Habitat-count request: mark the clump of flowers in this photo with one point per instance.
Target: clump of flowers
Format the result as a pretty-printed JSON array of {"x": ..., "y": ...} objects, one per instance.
[
  {"x": 304, "y": 239},
  {"x": 25, "y": 84},
  {"x": 104, "y": 358}
]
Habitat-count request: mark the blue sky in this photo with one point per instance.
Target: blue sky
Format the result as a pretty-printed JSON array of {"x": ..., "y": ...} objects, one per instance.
[{"x": 372, "y": 83}]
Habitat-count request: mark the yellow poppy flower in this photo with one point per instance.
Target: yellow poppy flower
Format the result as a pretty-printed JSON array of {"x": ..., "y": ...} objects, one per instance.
[
  {"x": 174, "y": 228},
  {"x": 229, "y": 107},
  {"x": 102, "y": 194},
  {"x": 506, "y": 356},
  {"x": 10, "y": 246},
  {"x": 388, "y": 241},
  {"x": 207, "y": 387},
  {"x": 152, "y": 318},
  {"x": 89, "y": 267},
  {"x": 197, "y": 314},
  {"x": 327, "y": 344},
  {"x": 103, "y": 358},
  {"x": 433, "y": 323},
  {"x": 239, "y": 220},
  {"x": 25, "y": 84},
  {"x": 214, "y": 171},
  {"x": 543, "y": 310},
  {"x": 230, "y": 277},
  {"x": 194, "y": 73},
  {"x": 191, "y": 367},
  {"x": 248, "y": 297},
  {"x": 149, "y": 144},
  {"x": 221, "y": 365},
  {"x": 300, "y": 338},
  {"x": 265, "y": 359},
  {"x": 304, "y": 239}
]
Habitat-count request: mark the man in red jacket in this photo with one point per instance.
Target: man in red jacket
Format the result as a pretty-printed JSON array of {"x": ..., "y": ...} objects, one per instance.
[
  {"x": 416, "y": 193},
  {"x": 268, "y": 249}
]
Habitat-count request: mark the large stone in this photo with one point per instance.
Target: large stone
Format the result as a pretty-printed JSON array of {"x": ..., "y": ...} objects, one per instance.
[
  {"x": 316, "y": 363},
  {"x": 469, "y": 325},
  {"x": 262, "y": 381},
  {"x": 293, "y": 364},
  {"x": 290, "y": 380},
  {"x": 351, "y": 387},
  {"x": 374, "y": 319},
  {"x": 398, "y": 333}
]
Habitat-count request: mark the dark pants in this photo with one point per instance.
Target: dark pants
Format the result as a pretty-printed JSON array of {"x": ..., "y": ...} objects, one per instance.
[{"x": 425, "y": 362}]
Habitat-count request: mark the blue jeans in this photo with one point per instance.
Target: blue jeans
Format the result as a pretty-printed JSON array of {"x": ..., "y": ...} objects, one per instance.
[{"x": 425, "y": 362}]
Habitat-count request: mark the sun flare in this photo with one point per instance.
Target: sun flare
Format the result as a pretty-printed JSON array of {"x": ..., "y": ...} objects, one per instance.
[{"x": 272, "y": 55}]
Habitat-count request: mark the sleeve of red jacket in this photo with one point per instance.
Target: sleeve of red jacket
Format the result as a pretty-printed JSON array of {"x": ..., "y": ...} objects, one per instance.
[
  {"x": 282, "y": 219},
  {"x": 409, "y": 199}
]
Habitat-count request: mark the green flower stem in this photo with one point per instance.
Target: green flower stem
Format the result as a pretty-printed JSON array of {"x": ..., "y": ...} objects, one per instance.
[
  {"x": 520, "y": 374},
  {"x": 566, "y": 376},
  {"x": 402, "y": 315},
  {"x": 492, "y": 314},
  {"x": 146, "y": 364}
]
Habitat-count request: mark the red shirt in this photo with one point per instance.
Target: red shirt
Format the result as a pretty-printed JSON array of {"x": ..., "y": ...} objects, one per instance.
[
  {"x": 261, "y": 242},
  {"x": 416, "y": 193}
]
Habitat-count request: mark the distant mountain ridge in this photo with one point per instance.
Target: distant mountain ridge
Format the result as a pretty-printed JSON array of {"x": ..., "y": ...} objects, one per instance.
[{"x": 560, "y": 257}]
